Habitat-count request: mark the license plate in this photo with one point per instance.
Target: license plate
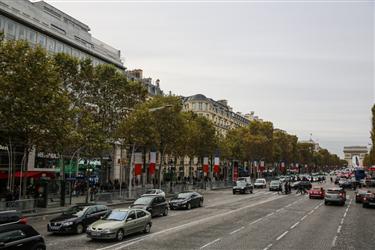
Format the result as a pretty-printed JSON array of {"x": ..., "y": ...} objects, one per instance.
[
  {"x": 95, "y": 234},
  {"x": 55, "y": 228}
]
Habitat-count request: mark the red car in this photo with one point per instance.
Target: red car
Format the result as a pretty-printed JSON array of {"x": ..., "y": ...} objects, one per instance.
[{"x": 317, "y": 192}]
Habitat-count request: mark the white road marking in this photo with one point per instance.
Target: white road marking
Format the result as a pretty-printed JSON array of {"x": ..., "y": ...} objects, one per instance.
[
  {"x": 304, "y": 217},
  {"x": 312, "y": 211},
  {"x": 289, "y": 205},
  {"x": 253, "y": 222},
  {"x": 268, "y": 247},
  {"x": 237, "y": 230},
  {"x": 189, "y": 224},
  {"x": 295, "y": 224},
  {"x": 317, "y": 206},
  {"x": 334, "y": 241},
  {"x": 278, "y": 210},
  {"x": 339, "y": 229},
  {"x": 210, "y": 243},
  {"x": 345, "y": 215},
  {"x": 342, "y": 221},
  {"x": 270, "y": 214},
  {"x": 281, "y": 236}
]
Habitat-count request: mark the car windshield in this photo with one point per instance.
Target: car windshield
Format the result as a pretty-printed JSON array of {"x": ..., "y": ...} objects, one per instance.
[
  {"x": 151, "y": 191},
  {"x": 183, "y": 195},
  {"x": 259, "y": 181},
  {"x": 334, "y": 191},
  {"x": 76, "y": 211},
  {"x": 241, "y": 183},
  {"x": 143, "y": 200},
  {"x": 116, "y": 215},
  {"x": 275, "y": 182}
]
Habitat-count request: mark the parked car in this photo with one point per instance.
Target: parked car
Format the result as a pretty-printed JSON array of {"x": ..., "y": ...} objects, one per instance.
[
  {"x": 317, "y": 192},
  {"x": 335, "y": 195},
  {"x": 260, "y": 183},
  {"x": 275, "y": 185},
  {"x": 154, "y": 192},
  {"x": 186, "y": 200},
  {"x": 11, "y": 217},
  {"x": 360, "y": 194},
  {"x": 368, "y": 200},
  {"x": 155, "y": 204},
  {"x": 242, "y": 187},
  {"x": 20, "y": 237},
  {"x": 119, "y": 223},
  {"x": 77, "y": 218}
]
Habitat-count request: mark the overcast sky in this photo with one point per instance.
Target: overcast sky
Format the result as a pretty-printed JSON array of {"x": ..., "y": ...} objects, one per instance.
[{"x": 307, "y": 66}]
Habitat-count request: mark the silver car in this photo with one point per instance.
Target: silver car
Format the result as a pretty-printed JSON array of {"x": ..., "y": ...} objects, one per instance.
[
  {"x": 335, "y": 195},
  {"x": 120, "y": 222}
]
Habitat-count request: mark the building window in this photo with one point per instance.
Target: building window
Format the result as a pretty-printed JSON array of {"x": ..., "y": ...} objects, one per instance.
[
  {"x": 21, "y": 33},
  {"x": 200, "y": 106},
  {"x": 31, "y": 36},
  {"x": 51, "y": 44},
  {"x": 42, "y": 40},
  {"x": 11, "y": 29}
]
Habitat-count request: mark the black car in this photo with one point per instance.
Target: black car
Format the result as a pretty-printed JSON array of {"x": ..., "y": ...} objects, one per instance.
[
  {"x": 368, "y": 200},
  {"x": 242, "y": 187},
  {"x": 11, "y": 217},
  {"x": 305, "y": 185},
  {"x": 346, "y": 184},
  {"x": 186, "y": 200},
  {"x": 77, "y": 218},
  {"x": 20, "y": 237},
  {"x": 154, "y": 204}
]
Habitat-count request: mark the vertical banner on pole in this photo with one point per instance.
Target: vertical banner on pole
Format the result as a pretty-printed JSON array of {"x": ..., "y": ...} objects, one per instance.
[
  {"x": 261, "y": 167},
  {"x": 205, "y": 165},
  {"x": 151, "y": 167},
  {"x": 217, "y": 165},
  {"x": 235, "y": 170},
  {"x": 137, "y": 164},
  {"x": 282, "y": 167}
]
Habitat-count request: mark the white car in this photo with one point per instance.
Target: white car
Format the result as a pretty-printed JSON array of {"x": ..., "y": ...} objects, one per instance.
[
  {"x": 154, "y": 192},
  {"x": 260, "y": 183}
]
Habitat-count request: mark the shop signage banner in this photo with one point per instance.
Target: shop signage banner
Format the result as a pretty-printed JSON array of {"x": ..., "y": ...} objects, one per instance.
[{"x": 235, "y": 171}]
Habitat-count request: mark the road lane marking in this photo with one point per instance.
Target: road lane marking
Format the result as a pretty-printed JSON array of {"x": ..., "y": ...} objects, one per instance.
[
  {"x": 342, "y": 221},
  {"x": 281, "y": 236},
  {"x": 268, "y": 215},
  {"x": 295, "y": 224},
  {"x": 121, "y": 245},
  {"x": 237, "y": 230},
  {"x": 334, "y": 241},
  {"x": 253, "y": 222},
  {"x": 345, "y": 215},
  {"x": 304, "y": 217},
  {"x": 339, "y": 229},
  {"x": 278, "y": 210},
  {"x": 268, "y": 247},
  {"x": 289, "y": 205},
  {"x": 312, "y": 211},
  {"x": 210, "y": 243}
]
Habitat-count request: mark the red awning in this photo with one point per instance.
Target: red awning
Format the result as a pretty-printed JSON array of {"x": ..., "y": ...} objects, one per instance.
[
  {"x": 34, "y": 174},
  {"x": 371, "y": 169}
]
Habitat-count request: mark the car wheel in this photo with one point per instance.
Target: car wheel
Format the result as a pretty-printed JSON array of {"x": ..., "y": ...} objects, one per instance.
[
  {"x": 251, "y": 191},
  {"x": 325, "y": 202},
  {"x": 310, "y": 197},
  {"x": 120, "y": 235},
  {"x": 79, "y": 228},
  {"x": 165, "y": 212},
  {"x": 39, "y": 246},
  {"x": 234, "y": 192},
  {"x": 147, "y": 228},
  {"x": 188, "y": 206},
  {"x": 200, "y": 203},
  {"x": 364, "y": 205}
]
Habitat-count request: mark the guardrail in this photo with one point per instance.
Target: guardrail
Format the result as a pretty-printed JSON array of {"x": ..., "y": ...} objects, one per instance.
[{"x": 27, "y": 205}]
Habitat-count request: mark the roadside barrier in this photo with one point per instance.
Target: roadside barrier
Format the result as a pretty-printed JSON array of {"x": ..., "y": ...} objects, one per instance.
[{"x": 27, "y": 205}]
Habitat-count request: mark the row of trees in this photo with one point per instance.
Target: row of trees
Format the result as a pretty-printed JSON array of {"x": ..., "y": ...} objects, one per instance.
[
  {"x": 369, "y": 159},
  {"x": 63, "y": 105}
]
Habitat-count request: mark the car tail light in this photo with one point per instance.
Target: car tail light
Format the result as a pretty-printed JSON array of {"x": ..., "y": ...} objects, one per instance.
[
  {"x": 23, "y": 220},
  {"x": 365, "y": 198}
]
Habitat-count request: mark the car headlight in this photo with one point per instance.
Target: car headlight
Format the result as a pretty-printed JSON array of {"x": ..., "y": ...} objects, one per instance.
[{"x": 68, "y": 223}]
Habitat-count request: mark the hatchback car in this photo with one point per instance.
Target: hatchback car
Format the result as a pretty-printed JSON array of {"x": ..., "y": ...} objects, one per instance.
[
  {"x": 20, "y": 237},
  {"x": 368, "y": 200},
  {"x": 360, "y": 194},
  {"x": 155, "y": 204},
  {"x": 317, "y": 192},
  {"x": 77, "y": 218},
  {"x": 275, "y": 185},
  {"x": 186, "y": 200},
  {"x": 260, "y": 183},
  {"x": 336, "y": 196},
  {"x": 119, "y": 223},
  {"x": 242, "y": 187},
  {"x": 11, "y": 217}
]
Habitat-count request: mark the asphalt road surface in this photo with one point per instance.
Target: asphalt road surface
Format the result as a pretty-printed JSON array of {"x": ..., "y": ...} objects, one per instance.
[{"x": 263, "y": 220}]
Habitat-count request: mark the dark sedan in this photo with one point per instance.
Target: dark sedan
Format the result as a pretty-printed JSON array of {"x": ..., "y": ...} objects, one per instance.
[
  {"x": 368, "y": 200},
  {"x": 20, "y": 237},
  {"x": 186, "y": 200},
  {"x": 77, "y": 218},
  {"x": 154, "y": 204},
  {"x": 360, "y": 194}
]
